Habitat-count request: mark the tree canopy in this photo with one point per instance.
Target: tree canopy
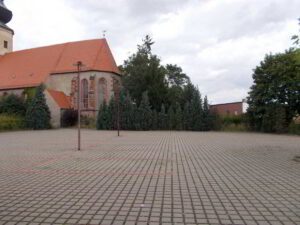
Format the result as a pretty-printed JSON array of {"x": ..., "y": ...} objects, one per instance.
[{"x": 276, "y": 90}]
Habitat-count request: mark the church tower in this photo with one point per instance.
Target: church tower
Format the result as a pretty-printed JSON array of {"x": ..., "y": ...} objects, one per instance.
[{"x": 6, "y": 33}]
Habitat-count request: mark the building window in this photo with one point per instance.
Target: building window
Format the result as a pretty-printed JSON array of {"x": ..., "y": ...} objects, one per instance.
[
  {"x": 5, "y": 44},
  {"x": 85, "y": 93}
]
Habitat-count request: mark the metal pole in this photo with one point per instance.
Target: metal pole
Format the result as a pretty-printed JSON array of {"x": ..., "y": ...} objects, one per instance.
[{"x": 79, "y": 64}]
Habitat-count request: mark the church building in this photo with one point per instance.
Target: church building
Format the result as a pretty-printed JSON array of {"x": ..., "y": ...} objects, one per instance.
[{"x": 55, "y": 67}]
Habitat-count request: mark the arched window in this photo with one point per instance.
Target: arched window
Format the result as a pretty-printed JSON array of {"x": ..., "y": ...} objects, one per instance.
[
  {"x": 102, "y": 90},
  {"x": 85, "y": 93}
]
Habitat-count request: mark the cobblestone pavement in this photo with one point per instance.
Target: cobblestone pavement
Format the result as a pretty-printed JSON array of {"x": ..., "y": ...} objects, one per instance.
[{"x": 149, "y": 178}]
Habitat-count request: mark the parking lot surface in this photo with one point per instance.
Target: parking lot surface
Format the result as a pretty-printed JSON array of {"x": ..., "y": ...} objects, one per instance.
[{"x": 149, "y": 178}]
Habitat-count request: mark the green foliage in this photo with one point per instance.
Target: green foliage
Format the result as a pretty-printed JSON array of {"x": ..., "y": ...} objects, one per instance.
[
  {"x": 207, "y": 118},
  {"x": 127, "y": 119},
  {"x": 294, "y": 128},
  {"x": 175, "y": 76},
  {"x": 187, "y": 120},
  {"x": 162, "y": 118},
  {"x": 154, "y": 120},
  {"x": 196, "y": 111},
  {"x": 171, "y": 118},
  {"x": 145, "y": 113},
  {"x": 88, "y": 122},
  {"x": 143, "y": 72},
  {"x": 11, "y": 122},
  {"x": 38, "y": 113},
  {"x": 69, "y": 118},
  {"x": 12, "y": 104},
  {"x": 274, "y": 119},
  {"x": 178, "y": 117},
  {"x": 103, "y": 118},
  {"x": 275, "y": 91}
]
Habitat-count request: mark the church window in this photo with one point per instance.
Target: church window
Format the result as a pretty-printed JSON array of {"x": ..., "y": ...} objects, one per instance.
[
  {"x": 85, "y": 93},
  {"x": 5, "y": 44}
]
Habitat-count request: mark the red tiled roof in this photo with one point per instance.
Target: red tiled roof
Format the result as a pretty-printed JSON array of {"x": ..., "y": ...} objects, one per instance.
[
  {"x": 60, "y": 98},
  {"x": 31, "y": 67}
]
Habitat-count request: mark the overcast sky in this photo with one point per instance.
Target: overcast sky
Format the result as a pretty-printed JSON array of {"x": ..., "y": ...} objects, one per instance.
[{"x": 216, "y": 42}]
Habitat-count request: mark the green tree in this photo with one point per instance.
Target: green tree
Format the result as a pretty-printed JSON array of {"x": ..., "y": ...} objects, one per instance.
[
  {"x": 207, "y": 118},
  {"x": 143, "y": 72},
  {"x": 187, "y": 121},
  {"x": 103, "y": 118},
  {"x": 127, "y": 113},
  {"x": 171, "y": 118},
  {"x": 276, "y": 82},
  {"x": 112, "y": 114},
  {"x": 175, "y": 76},
  {"x": 154, "y": 120},
  {"x": 178, "y": 117},
  {"x": 196, "y": 111},
  {"x": 163, "y": 118},
  {"x": 38, "y": 113},
  {"x": 145, "y": 112}
]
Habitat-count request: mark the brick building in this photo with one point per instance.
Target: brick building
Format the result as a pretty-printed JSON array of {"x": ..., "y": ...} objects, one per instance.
[
  {"x": 54, "y": 67},
  {"x": 229, "y": 109}
]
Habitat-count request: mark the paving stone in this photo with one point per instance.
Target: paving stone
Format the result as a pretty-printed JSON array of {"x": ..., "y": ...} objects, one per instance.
[{"x": 148, "y": 178}]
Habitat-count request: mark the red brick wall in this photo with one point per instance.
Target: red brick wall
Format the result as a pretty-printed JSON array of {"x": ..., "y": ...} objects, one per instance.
[{"x": 235, "y": 108}]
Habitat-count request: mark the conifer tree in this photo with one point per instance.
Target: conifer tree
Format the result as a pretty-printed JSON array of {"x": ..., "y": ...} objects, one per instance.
[
  {"x": 112, "y": 112},
  {"x": 136, "y": 117},
  {"x": 197, "y": 111},
  {"x": 103, "y": 118},
  {"x": 206, "y": 115},
  {"x": 162, "y": 118},
  {"x": 178, "y": 117},
  {"x": 38, "y": 114},
  {"x": 154, "y": 120},
  {"x": 127, "y": 113},
  {"x": 171, "y": 118},
  {"x": 187, "y": 117},
  {"x": 145, "y": 112}
]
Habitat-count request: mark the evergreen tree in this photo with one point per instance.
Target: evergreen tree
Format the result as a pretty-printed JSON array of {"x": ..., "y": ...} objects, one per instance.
[
  {"x": 103, "y": 118},
  {"x": 171, "y": 118},
  {"x": 127, "y": 113},
  {"x": 154, "y": 120},
  {"x": 38, "y": 113},
  {"x": 207, "y": 123},
  {"x": 196, "y": 112},
  {"x": 144, "y": 72},
  {"x": 145, "y": 112},
  {"x": 178, "y": 117},
  {"x": 162, "y": 118},
  {"x": 112, "y": 114},
  {"x": 136, "y": 117},
  {"x": 187, "y": 122}
]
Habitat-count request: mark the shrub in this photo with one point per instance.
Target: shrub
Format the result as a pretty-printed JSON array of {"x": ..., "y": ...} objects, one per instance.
[
  {"x": 69, "y": 118},
  {"x": 11, "y": 122},
  {"x": 12, "y": 104},
  {"x": 88, "y": 122},
  {"x": 294, "y": 128},
  {"x": 38, "y": 113}
]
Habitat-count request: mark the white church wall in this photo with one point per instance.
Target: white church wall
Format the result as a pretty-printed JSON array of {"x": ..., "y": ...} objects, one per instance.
[{"x": 54, "y": 110}]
